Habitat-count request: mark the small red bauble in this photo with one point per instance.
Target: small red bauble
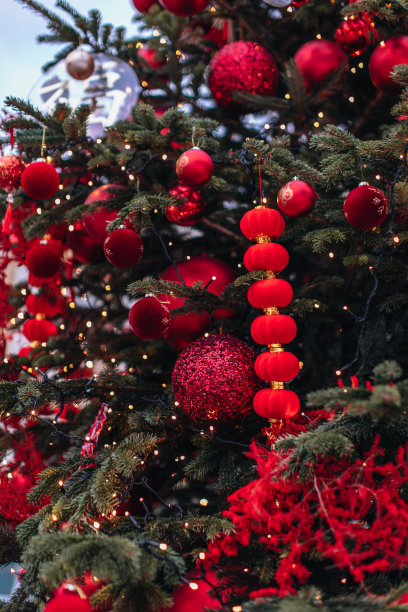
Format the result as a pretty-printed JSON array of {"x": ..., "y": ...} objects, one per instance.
[
  {"x": 280, "y": 366},
  {"x": 39, "y": 330},
  {"x": 241, "y": 66},
  {"x": 149, "y": 318},
  {"x": 43, "y": 260},
  {"x": 11, "y": 169},
  {"x": 184, "y": 8},
  {"x": 190, "y": 206},
  {"x": 214, "y": 380},
  {"x": 273, "y": 329},
  {"x": 319, "y": 59},
  {"x": 68, "y": 602},
  {"x": 151, "y": 57},
  {"x": 188, "y": 600},
  {"x": 385, "y": 57},
  {"x": 143, "y": 6},
  {"x": 40, "y": 180},
  {"x": 296, "y": 199},
  {"x": 276, "y": 404},
  {"x": 270, "y": 292},
  {"x": 46, "y": 304},
  {"x": 95, "y": 222},
  {"x": 262, "y": 221},
  {"x": 123, "y": 248},
  {"x": 79, "y": 64},
  {"x": 353, "y": 35},
  {"x": 266, "y": 256},
  {"x": 365, "y": 207},
  {"x": 194, "y": 167},
  {"x": 85, "y": 249}
]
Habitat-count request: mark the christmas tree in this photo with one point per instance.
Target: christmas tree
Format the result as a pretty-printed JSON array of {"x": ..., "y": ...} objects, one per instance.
[{"x": 204, "y": 251}]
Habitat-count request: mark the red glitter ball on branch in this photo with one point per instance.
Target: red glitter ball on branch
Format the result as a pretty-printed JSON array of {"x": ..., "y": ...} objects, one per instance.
[
  {"x": 190, "y": 206},
  {"x": 11, "y": 169},
  {"x": 353, "y": 35},
  {"x": 385, "y": 57}
]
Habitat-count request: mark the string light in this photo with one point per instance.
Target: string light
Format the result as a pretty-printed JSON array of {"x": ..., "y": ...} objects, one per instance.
[{"x": 193, "y": 586}]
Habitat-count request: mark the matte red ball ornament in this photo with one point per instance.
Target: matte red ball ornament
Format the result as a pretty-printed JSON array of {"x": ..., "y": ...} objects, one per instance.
[
  {"x": 43, "y": 260},
  {"x": 11, "y": 169},
  {"x": 365, "y": 207},
  {"x": 280, "y": 366},
  {"x": 187, "y": 599},
  {"x": 194, "y": 167},
  {"x": 214, "y": 380},
  {"x": 276, "y": 404},
  {"x": 149, "y": 318},
  {"x": 96, "y": 222},
  {"x": 241, "y": 66},
  {"x": 296, "y": 199},
  {"x": 39, "y": 330},
  {"x": 262, "y": 221},
  {"x": 143, "y": 6},
  {"x": 184, "y": 8},
  {"x": 319, "y": 59},
  {"x": 151, "y": 58},
  {"x": 68, "y": 602},
  {"x": 353, "y": 35},
  {"x": 85, "y": 249},
  {"x": 123, "y": 248},
  {"x": 266, "y": 256},
  {"x": 190, "y": 206},
  {"x": 270, "y": 292},
  {"x": 273, "y": 329},
  {"x": 385, "y": 57},
  {"x": 40, "y": 180},
  {"x": 79, "y": 64}
]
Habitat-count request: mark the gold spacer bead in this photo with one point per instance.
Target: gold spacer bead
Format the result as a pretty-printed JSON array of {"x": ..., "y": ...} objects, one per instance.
[
  {"x": 275, "y": 385},
  {"x": 272, "y": 310},
  {"x": 275, "y": 348},
  {"x": 261, "y": 238},
  {"x": 270, "y": 273}
]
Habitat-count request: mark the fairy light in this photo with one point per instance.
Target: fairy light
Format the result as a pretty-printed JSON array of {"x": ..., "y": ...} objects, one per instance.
[
  {"x": 130, "y": 407},
  {"x": 361, "y": 65},
  {"x": 202, "y": 556},
  {"x": 237, "y": 608},
  {"x": 61, "y": 483},
  {"x": 204, "y": 502},
  {"x": 156, "y": 452},
  {"x": 351, "y": 99},
  {"x": 71, "y": 228},
  {"x": 331, "y": 255},
  {"x": 287, "y": 96},
  {"x": 318, "y": 36},
  {"x": 282, "y": 126},
  {"x": 54, "y": 517},
  {"x": 353, "y": 70},
  {"x": 97, "y": 525},
  {"x": 68, "y": 197},
  {"x": 163, "y": 546},
  {"x": 338, "y": 372},
  {"x": 396, "y": 239},
  {"x": 127, "y": 146},
  {"x": 316, "y": 124},
  {"x": 345, "y": 307},
  {"x": 72, "y": 304},
  {"x": 107, "y": 287},
  {"x": 89, "y": 364},
  {"x": 104, "y": 313},
  {"x": 20, "y": 315},
  {"x": 164, "y": 157},
  {"x": 378, "y": 177},
  {"x": 39, "y": 211},
  {"x": 89, "y": 323},
  {"x": 193, "y": 586},
  {"x": 57, "y": 201}
]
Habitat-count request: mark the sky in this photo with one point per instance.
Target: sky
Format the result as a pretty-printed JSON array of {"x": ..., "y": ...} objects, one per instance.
[{"x": 21, "y": 57}]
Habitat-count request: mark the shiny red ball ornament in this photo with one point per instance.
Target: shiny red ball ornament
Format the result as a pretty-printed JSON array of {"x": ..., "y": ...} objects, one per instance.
[
  {"x": 365, "y": 207},
  {"x": 43, "y": 260},
  {"x": 194, "y": 167},
  {"x": 385, "y": 57},
  {"x": 296, "y": 199},
  {"x": 266, "y": 256},
  {"x": 68, "y": 602},
  {"x": 214, "y": 380},
  {"x": 241, "y": 66},
  {"x": 190, "y": 206},
  {"x": 353, "y": 35},
  {"x": 95, "y": 222},
  {"x": 143, "y": 6},
  {"x": 276, "y": 404},
  {"x": 85, "y": 249},
  {"x": 149, "y": 319},
  {"x": 46, "y": 304},
  {"x": 262, "y": 221},
  {"x": 79, "y": 64},
  {"x": 123, "y": 248},
  {"x": 319, "y": 59},
  {"x": 280, "y": 366},
  {"x": 11, "y": 169},
  {"x": 273, "y": 329},
  {"x": 39, "y": 330},
  {"x": 184, "y": 8},
  {"x": 186, "y": 599},
  {"x": 151, "y": 57},
  {"x": 40, "y": 180},
  {"x": 270, "y": 292}
]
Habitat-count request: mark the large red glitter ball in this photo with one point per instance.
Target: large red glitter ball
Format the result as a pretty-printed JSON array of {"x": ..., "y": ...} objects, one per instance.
[
  {"x": 11, "y": 169},
  {"x": 184, "y": 8},
  {"x": 95, "y": 222},
  {"x": 190, "y": 206},
  {"x": 40, "y": 180},
  {"x": 143, "y": 6},
  {"x": 241, "y": 66},
  {"x": 353, "y": 35},
  {"x": 43, "y": 260},
  {"x": 385, "y": 57},
  {"x": 296, "y": 199},
  {"x": 149, "y": 318},
  {"x": 365, "y": 207},
  {"x": 319, "y": 59},
  {"x": 123, "y": 248},
  {"x": 214, "y": 380},
  {"x": 67, "y": 602},
  {"x": 194, "y": 167}
]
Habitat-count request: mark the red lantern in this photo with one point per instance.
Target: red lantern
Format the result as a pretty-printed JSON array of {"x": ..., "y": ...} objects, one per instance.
[
  {"x": 40, "y": 180},
  {"x": 279, "y": 366},
  {"x": 319, "y": 59},
  {"x": 95, "y": 222},
  {"x": 123, "y": 248},
  {"x": 276, "y": 404},
  {"x": 39, "y": 330},
  {"x": 266, "y": 256},
  {"x": 262, "y": 221},
  {"x": 194, "y": 167},
  {"x": 273, "y": 329},
  {"x": 43, "y": 260},
  {"x": 385, "y": 57},
  {"x": 270, "y": 292},
  {"x": 353, "y": 35},
  {"x": 365, "y": 207},
  {"x": 46, "y": 304},
  {"x": 149, "y": 318},
  {"x": 296, "y": 199},
  {"x": 184, "y": 8}
]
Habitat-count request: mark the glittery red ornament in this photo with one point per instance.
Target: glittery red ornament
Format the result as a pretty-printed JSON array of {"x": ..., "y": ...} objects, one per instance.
[
  {"x": 39, "y": 330},
  {"x": 123, "y": 247},
  {"x": 385, "y": 57},
  {"x": 270, "y": 292},
  {"x": 319, "y": 59},
  {"x": 273, "y": 329},
  {"x": 276, "y": 404},
  {"x": 43, "y": 260},
  {"x": 296, "y": 199},
  {"x": 11, "y": 169},
  {"x": 262, "y": 221},
  {"x": 279, "y": 366},
  {"x": 266, "y": 256},
  {"x": 353, "y": 35},
  {"x": 194, "y": 167},
  {"x": 79, "y": 64},
  {"x": 365, "y": 207},
  {"x": 68, "y": 602},
  {"x": 149, "y": 318},
  {"x": 85, "y": 249},
  {"x": 184, "y": 8},
  {"x": 96, "y": 221},
  {"x": 214, "y": 380},
  {"x": 47, "y": 304},
  {"x": 143, "y": 6},
  {"x": 187, "y": 599},
  {"x": 40, "y": 180},
  {"x": 190, "y": 206},
  {"x": 151, "y": 58},
  {"x": 241, "y": 66}
]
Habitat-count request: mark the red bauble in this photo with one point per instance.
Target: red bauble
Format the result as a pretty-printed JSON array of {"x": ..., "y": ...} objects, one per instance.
[
  {"x": 149, "y": 318},
  {"x": 188, "y": 600},
  {"x": 143, "y": 6},
  {"x": 273, "y": 329},
  {"x": 319, "y": 59},
  {"x": 47, "y": 304},
  {"x": 353, "y": 35},
  {"x": 276, "y": 404},
  {"x": 365, "y": 207},
  {"x": 385, "y": 57},
  {"x": 214, "y": 380},
  {"x": 123, "y": 248},
  {"x": 11, "y": 169},
  {"x": 79, "y": 64},
  {"x": 39, "y": 330},
  {"x": 266, "y": 256},
  {"x": 241, "y": 66},
  {"x": 95, "y": 222},
  {"x": 43, "y": 260},
  {"x": 279, "y": 366},
  {"x": 262, "y": 221},
  {"x": 190, "y": 206},
  {"x": 194, "y": 167},
  {"x": 296, "y": 199},
  {"x": 184, "y": 8},
  {"x": 68, "y": 602},
  {"x": 40, "y": 180},
  {"x": 270, "y": 292},
  {"x": 151, "y": 58}
]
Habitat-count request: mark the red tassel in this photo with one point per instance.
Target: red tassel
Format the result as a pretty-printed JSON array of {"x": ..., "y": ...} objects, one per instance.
[
  {"x": 7, "y": 220},
  {"x": 12, "y": 138}
]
